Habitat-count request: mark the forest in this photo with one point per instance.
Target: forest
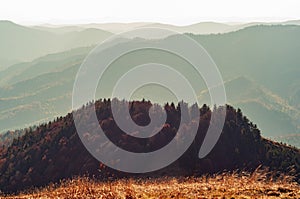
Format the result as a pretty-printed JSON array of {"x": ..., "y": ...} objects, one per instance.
[{"x": 53, "y": 151}]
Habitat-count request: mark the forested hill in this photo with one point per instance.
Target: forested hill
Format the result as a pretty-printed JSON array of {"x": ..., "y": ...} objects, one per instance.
[{"x": 53, "y": 151}]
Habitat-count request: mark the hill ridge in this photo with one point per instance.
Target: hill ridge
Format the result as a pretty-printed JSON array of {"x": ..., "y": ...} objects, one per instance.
[{"x": 36, "y": 158}]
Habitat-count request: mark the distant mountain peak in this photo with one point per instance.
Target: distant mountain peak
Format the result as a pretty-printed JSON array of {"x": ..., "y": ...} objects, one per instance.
[{"x": 5, "y": 24}]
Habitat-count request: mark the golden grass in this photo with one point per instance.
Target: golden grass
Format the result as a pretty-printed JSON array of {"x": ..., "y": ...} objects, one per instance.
[{"x": 226, "y": 185}]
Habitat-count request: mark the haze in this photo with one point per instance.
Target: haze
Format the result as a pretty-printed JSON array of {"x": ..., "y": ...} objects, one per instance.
[{"x": 33, "y": 12}]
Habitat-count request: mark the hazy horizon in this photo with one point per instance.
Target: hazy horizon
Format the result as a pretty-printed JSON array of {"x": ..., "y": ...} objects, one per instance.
[
  {"x": 175, "y": 12},
  {"x": 230, "y": 23},
  {"x": 59, "y": 23}
]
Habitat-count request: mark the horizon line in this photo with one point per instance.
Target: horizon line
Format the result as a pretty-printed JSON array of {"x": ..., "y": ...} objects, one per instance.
[{"x": 58, "y": 22}]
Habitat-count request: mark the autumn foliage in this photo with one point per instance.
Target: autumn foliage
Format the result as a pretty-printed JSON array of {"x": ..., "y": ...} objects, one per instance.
[{"x": 53, "y": 151}]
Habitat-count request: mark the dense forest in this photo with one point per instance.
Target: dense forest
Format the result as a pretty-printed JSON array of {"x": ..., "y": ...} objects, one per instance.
[{"x": 53, "y": 151}]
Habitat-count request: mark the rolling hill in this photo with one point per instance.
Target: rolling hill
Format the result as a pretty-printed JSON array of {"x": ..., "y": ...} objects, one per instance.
[
  {"x": 20, "y": 43},
  {"x": 259, "y": 64},
  {"x": 202, "y": 28},
  {"x": 40, "y": 90},
  {"x": 36, "y": 158},
  {"x": 270, "y": 112}
]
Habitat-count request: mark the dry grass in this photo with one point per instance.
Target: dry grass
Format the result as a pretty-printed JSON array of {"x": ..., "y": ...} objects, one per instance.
[{"x": 226, "y": 185}]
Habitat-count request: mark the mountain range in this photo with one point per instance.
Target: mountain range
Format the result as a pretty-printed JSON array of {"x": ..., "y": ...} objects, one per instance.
[
  {"x": 259, "y": 65},
  {"x": 20, "y": 43}
]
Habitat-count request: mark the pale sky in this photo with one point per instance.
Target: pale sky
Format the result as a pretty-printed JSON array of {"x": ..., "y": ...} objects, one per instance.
[{"x": 177, "y": 12}]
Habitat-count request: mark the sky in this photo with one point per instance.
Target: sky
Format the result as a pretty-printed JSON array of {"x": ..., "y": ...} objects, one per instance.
[{"x": 184, "y": 12}]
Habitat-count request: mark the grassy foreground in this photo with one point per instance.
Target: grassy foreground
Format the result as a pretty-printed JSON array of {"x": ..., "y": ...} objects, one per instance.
[{"x": 223, "y": 185}]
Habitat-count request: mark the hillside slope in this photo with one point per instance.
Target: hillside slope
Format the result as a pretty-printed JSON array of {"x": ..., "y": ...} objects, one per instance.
[
  {"x": 273, "y": 114},
  {"x": 265, "y": 54},
  {"x": 20, "y": 43},
  {"x": 53, "y": 151}
]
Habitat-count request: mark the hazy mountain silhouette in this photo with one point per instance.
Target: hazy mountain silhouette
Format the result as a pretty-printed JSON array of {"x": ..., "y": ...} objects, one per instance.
[
  {"x": 20, "y": 43},
  {"x": 197, "y": 28},
  {"x": 265, "y": 54},
  {"x": 270, "y": 112}
]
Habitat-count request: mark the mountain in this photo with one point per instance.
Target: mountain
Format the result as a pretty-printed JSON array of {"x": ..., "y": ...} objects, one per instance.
[
  {"x": 50, "y": 63},
  {"x": 110, "y": 27},
  {"x": 43, "y": 100},
  {"x": 199, "y": 28},
  {"x": 20, "y": 43},
  {"x": 270, "y": 112},
  {"x": 292, "y": 22},
  {"x": 58, "y": 29},
  {"x": 202, "y": 28},
  {"x": 208, "y": 28},
  {"x": 265, "y": 55},
  {"x": 40, "y": 90},
  {"x": 36, "y": 158}
]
